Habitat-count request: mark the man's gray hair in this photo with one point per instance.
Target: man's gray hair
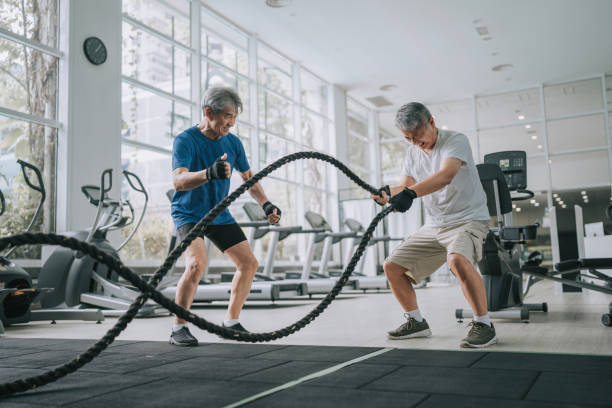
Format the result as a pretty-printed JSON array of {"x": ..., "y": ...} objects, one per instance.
[
  {"x": 412, "y": 116},
  {"x": 218, "y": 97}
]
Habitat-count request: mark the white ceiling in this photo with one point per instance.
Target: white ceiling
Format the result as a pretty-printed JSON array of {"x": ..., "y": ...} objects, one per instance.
[{"x": 431, "y": 49}]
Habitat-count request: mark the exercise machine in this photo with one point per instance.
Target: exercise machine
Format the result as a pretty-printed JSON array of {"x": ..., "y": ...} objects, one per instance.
[
  {"x": 17, "y": 294},
  {"x": 500, "y": 267}
]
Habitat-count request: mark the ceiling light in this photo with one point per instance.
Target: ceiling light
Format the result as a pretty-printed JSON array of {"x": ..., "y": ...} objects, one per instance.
[
  {"x": 561, "y": 202},
  {"x": 549, "y": 161},
  {"x": 534, "y": 137},
  {"x": 555, "y": 195},
  {"x": 277, "y": 3},
  {"x": 527, "y": 126},
  {"x": 513, "y": 205},
  {"x": 537, "y": 204},
  {"x": 583, "y": 192},
  {"x": 564, "y": 206},
  {"x": 487, "y": 38},
  {"x": 586, "y": 201},
  {"x": 388, "y": 87},
  {"x": 502, "y": 67},
  {"x": 521, "y": 117},
  {"x": 444, "y": 127},
  {"x": 482, "y": 30},
  {"x": 518, "y": 209},
  {"x": 540, "y": 147},
  {"x": 532, "y": 201}
]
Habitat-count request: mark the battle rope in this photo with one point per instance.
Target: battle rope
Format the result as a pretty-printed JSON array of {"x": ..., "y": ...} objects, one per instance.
[{"x": 148, "y": 288}]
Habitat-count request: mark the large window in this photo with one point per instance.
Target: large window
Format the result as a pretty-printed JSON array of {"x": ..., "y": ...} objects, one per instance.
[
  {"x": 285, "y": 109},
  {"x": 28, "y": 128}
]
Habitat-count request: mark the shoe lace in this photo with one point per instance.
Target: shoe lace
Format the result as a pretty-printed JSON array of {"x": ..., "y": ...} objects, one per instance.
[
  {"x": 410, "y": 323},
  {"x": 476, "y": 328}
]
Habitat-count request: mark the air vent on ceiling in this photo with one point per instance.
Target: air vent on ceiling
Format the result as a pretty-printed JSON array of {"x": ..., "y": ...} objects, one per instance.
[
  {"x": 482, "y": 30},
  {"x": 379, "y": 101}
]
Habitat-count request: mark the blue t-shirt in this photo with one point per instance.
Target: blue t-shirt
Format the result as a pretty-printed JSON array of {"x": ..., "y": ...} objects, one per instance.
[{"x": 196, "y": 152}]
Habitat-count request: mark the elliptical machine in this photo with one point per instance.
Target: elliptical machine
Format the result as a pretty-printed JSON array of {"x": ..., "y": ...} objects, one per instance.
[
  {"x": 500, "y": 267},
  {"x": 17, "y": 293}
]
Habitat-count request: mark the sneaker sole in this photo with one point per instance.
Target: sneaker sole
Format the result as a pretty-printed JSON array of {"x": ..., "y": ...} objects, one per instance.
[
  {"x": 422, "y": 333},
  {"x": 192, "y": 344},
  {"x": 465, "y": 344}
]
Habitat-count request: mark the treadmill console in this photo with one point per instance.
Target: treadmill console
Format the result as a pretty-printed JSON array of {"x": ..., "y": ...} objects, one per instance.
[{"x": 513, "y": 164}]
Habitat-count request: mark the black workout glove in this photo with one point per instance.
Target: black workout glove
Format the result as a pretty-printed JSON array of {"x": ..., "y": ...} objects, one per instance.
[
  {"x": 217, "y": 170},
  {"x": 379, "y": 192},
  {"x": 269, "y": 208},
  {"x": 403, "y": 201}
]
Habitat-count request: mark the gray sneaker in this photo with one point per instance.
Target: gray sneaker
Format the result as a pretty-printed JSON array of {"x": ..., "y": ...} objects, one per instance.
[
  {"x": 479, "y": 336},
  {"x": 411, "y": 329},
  {"x": 183, "y": 337}
]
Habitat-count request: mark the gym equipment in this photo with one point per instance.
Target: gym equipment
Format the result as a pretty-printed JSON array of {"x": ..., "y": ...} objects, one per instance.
[
  {"x": 500, "y": 266},
  {"x": 17, "y": 294},
  {"x": 90, "y": 283}
]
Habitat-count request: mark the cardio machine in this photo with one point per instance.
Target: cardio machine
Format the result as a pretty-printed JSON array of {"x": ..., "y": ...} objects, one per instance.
[
  {"x": 17, "y": 294},
  {"x": 500, "y": 267}
]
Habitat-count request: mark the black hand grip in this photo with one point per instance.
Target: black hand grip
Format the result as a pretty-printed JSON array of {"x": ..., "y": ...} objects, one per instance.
[
  {"x": 2, "y": 203},
  {"x": 41, "y": 186},
  {"x": 129, "y": 176},
  {"x": 609, "y": 212},
  {"x": 103, "y": 185}
]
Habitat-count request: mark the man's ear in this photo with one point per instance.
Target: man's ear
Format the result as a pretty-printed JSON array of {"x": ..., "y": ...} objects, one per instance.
[{"x": 208, "y": 113}]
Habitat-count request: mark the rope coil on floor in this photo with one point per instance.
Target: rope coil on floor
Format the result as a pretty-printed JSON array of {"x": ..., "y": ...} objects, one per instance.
[{"x": 148, "y": 288}]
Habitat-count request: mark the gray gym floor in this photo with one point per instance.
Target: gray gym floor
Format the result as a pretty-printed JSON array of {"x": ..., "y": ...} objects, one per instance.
[{"x": 560, "y": 358}]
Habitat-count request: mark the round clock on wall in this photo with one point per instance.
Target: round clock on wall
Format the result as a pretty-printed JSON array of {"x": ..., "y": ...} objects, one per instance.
[{"x": 94, "y": 50}]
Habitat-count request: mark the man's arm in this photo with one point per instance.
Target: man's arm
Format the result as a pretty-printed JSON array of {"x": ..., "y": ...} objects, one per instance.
[
  {"x": 383, "y": 199},
  {"x": 185, "y": 180},
  {"x": 440, "y": 179},
  {"x": 258, "y": 195}
]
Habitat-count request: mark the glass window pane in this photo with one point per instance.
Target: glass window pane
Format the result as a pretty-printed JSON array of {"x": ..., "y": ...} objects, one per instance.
[
  {"x": 315, "y": 200},
  {"x": 276, "y": 114},
  {"x": 28, "y": 80},
  {"x": 34, "y": 144},
  {"x": 580, "y": 169},
  {"x": 314, "y": 173},
  {"x": 609, "y": 91},
  {"x": 315, "y": 130},
  {"x": 508, "y": 107},
  {"x": 148, "y": 118},
  {"x": 314, "y": 92},
  {"x": 225, "y": 53},
  {"x": 573, "y": 97},
  {"x": 214, "y": 75},
  {"x": 244, "y": 133},
  {"x": 519, "y": 137},
  {"x": 169, "y": 17},
  {"x": 458, "y": 115},
  {"x": 358, "y": 151},
  {"x": 223, "y": 28},
  {"x": 386, "y": 126},
  {"x": 537, "y": 177},
  {"x": 576, "y": 133},
  {"x": 274, "y": 71},
  {"x": 284, "y": 195},
  {"x": 152, "y": 239},
  {"x": 392, "y": 155},
  {"x": 272, "y": 148},
  {"x": 152, "y": 61},
  {"x": 35, "y": 23}
]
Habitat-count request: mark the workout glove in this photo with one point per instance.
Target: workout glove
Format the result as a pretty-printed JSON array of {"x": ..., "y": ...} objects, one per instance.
[
  {"x": 403, "y": 201},
  {"x": 386, "y": 189},
  {"x": 217, "y": 170},
  {"x": 269, "y": 208}
]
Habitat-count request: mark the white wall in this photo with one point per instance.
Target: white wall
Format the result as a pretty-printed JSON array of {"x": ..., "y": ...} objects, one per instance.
[{"x": 89, "y": 108}]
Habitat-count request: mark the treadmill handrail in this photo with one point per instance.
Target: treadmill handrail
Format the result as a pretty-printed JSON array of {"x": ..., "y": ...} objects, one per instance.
[
  {"x": 103, "y": 191},
  {"x": 138, "y": 187}
]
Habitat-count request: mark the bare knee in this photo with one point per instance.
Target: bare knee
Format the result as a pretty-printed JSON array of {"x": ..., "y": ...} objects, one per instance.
[
  {"x": 460, "y": 266},
  {"x": 248, "y": 265},
  {"x": 393, "y": 270},
  {"x": 194, "y": 271}
]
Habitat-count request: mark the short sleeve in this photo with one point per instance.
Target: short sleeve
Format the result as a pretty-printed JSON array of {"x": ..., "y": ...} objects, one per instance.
[
  {"x": 458, "y": 146},
  {"x": 242, "y": 164},
  {"x": 182, "y": 153},
  {"x": 407, "y": 165}
]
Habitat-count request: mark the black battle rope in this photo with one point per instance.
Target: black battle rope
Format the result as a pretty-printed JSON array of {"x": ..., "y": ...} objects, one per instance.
[{"x": 148, "y": 288}]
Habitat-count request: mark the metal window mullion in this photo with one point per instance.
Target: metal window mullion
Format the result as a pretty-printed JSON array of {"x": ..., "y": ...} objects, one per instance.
[
  {"x": 26, "y": 117},
  {"x": 583, "y": 150},
  {"x": 509, "y": 124},
  {"x": 159, "y": 35},
  {"x": 578, "y": 79},
  {"x": 155, "y": 90},
  {"x": 223, "y": 37},
  {"x": 9, "y": 35},
  {"x": 358, "y": 135},
  {"x": 476, "y": 135},
  {"x": 549, "y": 198},
  {"x": 607, "y": 125},
  {"x": 577, "y": 115},
  {"x": 225, "y": 67},
  {"x": 146, "y": 146},
  {"x": 312, "y": 111},
  {"x": 253, "y": 102},
  {"x": 196, "y": 63}
]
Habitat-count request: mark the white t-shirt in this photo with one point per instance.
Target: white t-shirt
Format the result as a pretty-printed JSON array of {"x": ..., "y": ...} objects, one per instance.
[{"x": 464, "y": 198}]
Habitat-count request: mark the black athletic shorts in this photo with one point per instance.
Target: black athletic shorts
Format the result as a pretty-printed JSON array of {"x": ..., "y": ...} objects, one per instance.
[{"x": 223, "y": 236}]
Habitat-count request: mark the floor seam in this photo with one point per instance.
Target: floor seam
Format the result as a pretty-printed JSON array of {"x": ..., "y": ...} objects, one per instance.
[
  {"x": 478, "y": 359},
  {"x": 531, "y": 385}
]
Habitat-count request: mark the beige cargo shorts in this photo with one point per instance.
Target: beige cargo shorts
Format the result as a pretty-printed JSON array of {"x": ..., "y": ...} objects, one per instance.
[{"x": 426, "y": 250}]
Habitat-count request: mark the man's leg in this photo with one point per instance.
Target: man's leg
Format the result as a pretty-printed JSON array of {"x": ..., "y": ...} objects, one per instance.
[
  {"x": 401, "y": 286},
  {"x": 195, "y": 263},
  {"x": 246, "y": 266},
  {"x": 472, "y": 284}
]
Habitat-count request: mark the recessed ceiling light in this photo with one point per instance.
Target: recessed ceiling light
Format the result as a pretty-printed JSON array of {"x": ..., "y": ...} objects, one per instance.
[
  {"x": 527, "y": 126},
  {"x": 521, "y": 117},
  {"x": 549, "y": 161},
  {"x": 534, "y": 137},
  {"x": 502, "y": 67},
  {"x": 388, "y": 87},
  {"x": 444, "y": 127},
  {"x": 561, "y": 202},
  {"x": 513, "y": 205},
  {"x": 537, "y": 204},
  {"x": 555, "y": 195},
  {"x": 532, "y": 201},
  {"x": 564, "y": 206},
  {"x": 482, "y": 30},
  {"x": 583, "y": 192},
  {"x": 540, "y": 147},
  {"x": 586, "y": 201},
  {"x": 487, "y": 38},
  {"x": 518, "y": 209},
  {"x": 277, "y": 3}
]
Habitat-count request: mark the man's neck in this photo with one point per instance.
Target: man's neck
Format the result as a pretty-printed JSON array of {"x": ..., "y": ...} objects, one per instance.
[
  {"x": 208, "y": 131},
  {"x": 428, "y": 151}
]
